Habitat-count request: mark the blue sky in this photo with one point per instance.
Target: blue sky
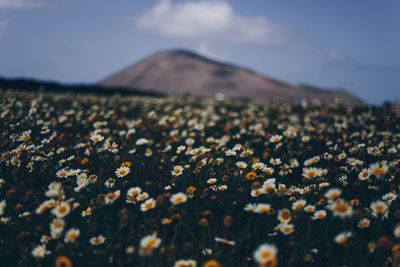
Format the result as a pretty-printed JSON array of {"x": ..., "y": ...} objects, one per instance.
[{"x": 348, "y": 44}]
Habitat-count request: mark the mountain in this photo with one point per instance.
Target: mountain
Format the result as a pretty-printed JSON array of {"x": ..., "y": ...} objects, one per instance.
[{"x": 180, "y": 72}]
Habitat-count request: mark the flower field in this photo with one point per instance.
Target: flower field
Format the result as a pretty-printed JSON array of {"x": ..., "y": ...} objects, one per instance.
[{"x": 90, "y": 180}]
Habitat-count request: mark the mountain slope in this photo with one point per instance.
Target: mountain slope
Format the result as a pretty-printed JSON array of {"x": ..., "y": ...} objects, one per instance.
[{"x": 179, "y": 72}]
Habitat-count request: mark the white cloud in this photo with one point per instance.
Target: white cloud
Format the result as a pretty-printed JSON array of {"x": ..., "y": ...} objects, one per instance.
[
  {"x": 204, "y": 50},
  {"x": 340, "y": 61},
  {"x": 20, "y": 4},
  {"x": 206, "y": 20},
  {"x": 334, "y": 55}
]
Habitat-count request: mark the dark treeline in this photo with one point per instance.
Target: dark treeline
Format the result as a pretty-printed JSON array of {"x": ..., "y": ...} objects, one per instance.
[{"x": 26, "y": 84}]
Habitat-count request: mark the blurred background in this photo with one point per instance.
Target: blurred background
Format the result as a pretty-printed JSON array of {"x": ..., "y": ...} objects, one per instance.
[{"x": 346, "y": 44}]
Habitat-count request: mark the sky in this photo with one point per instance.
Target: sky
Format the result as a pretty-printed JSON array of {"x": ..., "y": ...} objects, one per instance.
[{"x": 351, "y": 44}]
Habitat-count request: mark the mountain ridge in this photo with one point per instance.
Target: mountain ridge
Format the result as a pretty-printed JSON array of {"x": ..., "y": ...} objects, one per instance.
[{"x": 183, "y": 72}]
